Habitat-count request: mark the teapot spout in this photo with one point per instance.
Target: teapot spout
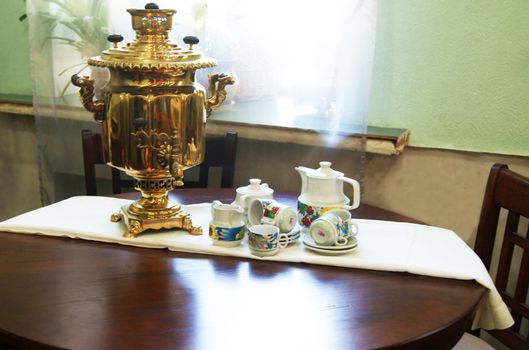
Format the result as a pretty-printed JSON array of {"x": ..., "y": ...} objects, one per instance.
[
  {"x": 303, "y": 173},
  {"x": 214, "y": 205}
]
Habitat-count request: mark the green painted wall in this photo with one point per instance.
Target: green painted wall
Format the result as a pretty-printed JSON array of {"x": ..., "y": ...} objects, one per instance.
[
  {"x": 455, "y": 72},
  {"x": 15, "y": 72}
]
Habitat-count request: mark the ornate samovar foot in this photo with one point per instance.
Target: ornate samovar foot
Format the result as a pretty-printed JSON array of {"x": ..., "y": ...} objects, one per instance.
[
  {"x": 138, "y": 221},
  {"x": 134, "y": 228},
  {"x": 116, "y": 217}
]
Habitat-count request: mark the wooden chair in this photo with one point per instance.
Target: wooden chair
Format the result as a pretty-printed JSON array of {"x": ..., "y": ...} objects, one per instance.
[
  {"x": 510, "y": 191},
  {"x": 92, "y": 156},
  {"x": 220, "y": 152}
]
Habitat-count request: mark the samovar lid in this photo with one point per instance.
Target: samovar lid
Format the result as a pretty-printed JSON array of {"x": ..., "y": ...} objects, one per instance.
[{"x": 152, "y": 48}]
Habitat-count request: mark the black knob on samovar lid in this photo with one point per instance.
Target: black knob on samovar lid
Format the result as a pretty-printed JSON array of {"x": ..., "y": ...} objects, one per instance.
[
  {"x": 191, "y": 40},
  {"x": 151, "y": 6},
  {"x": 115, "y": 39}
]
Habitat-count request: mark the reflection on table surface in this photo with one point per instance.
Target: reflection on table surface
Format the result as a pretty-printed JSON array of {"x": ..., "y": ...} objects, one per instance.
[{"x": 68, "y": 293}]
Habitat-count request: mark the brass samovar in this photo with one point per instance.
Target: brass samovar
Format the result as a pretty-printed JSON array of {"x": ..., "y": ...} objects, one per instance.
[{"x": 153, "y": 115}]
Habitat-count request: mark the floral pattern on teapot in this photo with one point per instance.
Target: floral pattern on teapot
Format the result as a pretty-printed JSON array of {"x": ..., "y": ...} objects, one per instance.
[{"x": 308, "y": 213}]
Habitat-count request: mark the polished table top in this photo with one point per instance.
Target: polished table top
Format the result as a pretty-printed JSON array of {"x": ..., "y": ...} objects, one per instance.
[{"x": 67, "y": 293}]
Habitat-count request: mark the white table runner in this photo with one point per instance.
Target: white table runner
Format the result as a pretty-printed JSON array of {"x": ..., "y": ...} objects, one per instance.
[{"x": 383, "y": 245}]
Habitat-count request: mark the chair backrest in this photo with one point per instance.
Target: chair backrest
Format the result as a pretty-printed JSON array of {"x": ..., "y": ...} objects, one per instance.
[
  {"x": 220, "y": 152},
  {"x": 92, "y": 156},
  {"x": 510, "y": 191}
]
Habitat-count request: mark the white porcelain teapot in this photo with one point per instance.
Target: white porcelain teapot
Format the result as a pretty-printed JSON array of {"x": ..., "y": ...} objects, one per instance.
[
  {"x": 322, "y": 190},
  {"x": 255, "y": 189}
]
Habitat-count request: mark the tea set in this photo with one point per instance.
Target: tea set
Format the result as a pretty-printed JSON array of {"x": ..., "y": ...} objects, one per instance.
[{"x": 322, "y": 216}]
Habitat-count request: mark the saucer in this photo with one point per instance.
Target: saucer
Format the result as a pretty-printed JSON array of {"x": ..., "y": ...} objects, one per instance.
[
  {"x": 330, "y": 251},
  {"x": 290, "y": 239},
  {"x": 351, "y": 244},
  {"x": 293, "y": 235},
  {"x": 295, "y": 231}
]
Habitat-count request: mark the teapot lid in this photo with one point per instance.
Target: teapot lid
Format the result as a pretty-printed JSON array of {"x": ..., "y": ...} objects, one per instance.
[
  {"x": 324, "y": 172},
  {"x": 255, "y": 187},
  {"x": 152, "y": 48}
]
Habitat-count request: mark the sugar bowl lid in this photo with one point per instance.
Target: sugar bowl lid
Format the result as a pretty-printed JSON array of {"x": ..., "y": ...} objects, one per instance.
[
  {"x": 255, "y": 188},
  {"x": 324, "y": 172},
  {"x": 152, "y": 48}
]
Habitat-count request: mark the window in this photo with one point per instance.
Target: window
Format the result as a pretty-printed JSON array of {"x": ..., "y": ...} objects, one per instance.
[{"x": 293, "y": 60}]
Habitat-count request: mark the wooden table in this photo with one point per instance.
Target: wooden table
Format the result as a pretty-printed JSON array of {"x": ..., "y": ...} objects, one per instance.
[{"x": 67, "y": 293}]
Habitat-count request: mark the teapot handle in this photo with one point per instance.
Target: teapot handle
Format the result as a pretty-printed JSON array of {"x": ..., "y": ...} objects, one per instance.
[{"x": 356, "y": 192}]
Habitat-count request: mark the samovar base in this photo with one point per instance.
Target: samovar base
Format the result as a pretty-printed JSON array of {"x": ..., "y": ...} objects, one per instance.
[{"x": 137, "y": 224}]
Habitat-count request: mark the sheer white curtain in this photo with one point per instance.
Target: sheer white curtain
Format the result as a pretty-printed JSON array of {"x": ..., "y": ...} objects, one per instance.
[{"x": 301, "y": 60}]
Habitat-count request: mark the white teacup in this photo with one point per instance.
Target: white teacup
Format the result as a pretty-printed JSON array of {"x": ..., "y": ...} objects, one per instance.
[
  {"x": 333, "y": 228},
  {"x": 265, "y": 240},
  {"x": 268, "y": 211}
]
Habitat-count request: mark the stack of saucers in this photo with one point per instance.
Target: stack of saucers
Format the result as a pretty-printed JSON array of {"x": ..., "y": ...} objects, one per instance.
[
  {"x": 293, "y": 235},
  {"x": 309, "y": 243}
]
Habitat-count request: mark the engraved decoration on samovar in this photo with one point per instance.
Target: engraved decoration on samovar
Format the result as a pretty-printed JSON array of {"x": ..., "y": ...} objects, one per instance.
[{"x": 153, "y": 115}]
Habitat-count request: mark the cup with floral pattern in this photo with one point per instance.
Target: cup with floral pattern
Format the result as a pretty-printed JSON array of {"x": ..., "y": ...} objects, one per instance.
[
  {"x": 265, "y": 240},
  {"x": 268, "y": 211},
  {"x": 333, "y": 228}
]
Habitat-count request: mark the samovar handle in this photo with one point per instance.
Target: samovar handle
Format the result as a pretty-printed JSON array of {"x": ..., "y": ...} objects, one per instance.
[
  {"x": 217, "y": 89},
  {"x": 216, "y": 82},
  {"x": 87, "y": 96}
]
